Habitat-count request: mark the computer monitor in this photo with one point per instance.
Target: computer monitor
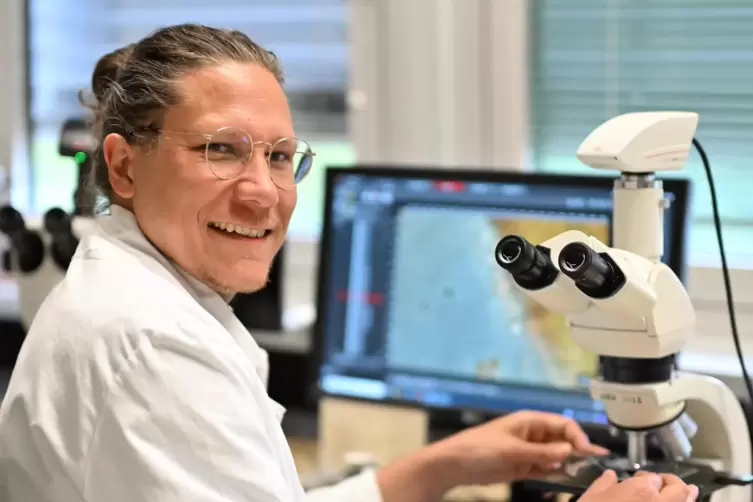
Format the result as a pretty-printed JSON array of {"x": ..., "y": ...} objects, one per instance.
[{"x": 412, "y": 307}]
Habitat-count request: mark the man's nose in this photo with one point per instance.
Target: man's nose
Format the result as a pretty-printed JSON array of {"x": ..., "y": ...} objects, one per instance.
[{"x": 255, "y": 184}]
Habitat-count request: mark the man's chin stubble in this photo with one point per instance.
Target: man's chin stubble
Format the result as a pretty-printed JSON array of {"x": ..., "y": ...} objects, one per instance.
[{"x": 225, "y": 289}]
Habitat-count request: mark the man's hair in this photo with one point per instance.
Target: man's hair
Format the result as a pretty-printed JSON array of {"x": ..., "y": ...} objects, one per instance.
[{"x": 134, "y": 85}]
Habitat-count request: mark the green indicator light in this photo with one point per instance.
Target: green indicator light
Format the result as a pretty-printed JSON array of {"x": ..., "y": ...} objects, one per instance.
[{"x": 80, "y": 157}]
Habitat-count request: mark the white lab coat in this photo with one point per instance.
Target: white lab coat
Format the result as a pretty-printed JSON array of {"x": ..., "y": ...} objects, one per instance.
[{"x": 138, "y": 383}]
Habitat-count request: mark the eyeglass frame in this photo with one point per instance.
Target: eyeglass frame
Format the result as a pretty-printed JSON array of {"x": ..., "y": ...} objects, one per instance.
[{"x": 208, "y": 137}]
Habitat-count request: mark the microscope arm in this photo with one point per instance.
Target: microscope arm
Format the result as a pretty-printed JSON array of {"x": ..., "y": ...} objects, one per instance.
[{"x": 718, "y": 413}]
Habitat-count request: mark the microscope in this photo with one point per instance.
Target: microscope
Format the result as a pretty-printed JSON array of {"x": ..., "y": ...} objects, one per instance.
[
  {"x": 39, "y": 254},
  {"x": 625, "y": 305},
  {"x": 41, "y": 250}
]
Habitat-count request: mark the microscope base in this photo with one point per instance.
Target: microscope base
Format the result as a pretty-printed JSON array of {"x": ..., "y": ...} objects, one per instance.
[{"x": 579, "y": 473}]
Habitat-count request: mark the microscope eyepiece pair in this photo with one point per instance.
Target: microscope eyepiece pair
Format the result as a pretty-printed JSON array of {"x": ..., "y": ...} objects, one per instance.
[
  {"x": 531, "y": 266},
  {"x": 28, "y": 245}
]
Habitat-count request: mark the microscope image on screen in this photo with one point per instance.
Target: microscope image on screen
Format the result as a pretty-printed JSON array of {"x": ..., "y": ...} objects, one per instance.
[{"x": 515, "y": 339}]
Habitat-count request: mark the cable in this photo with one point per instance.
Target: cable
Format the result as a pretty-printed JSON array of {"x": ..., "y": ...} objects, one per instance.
[{"x": 725, "y": 268}]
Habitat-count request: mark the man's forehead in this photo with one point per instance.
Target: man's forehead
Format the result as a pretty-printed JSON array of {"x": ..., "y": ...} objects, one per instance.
[{"x": 232, "y": 95}]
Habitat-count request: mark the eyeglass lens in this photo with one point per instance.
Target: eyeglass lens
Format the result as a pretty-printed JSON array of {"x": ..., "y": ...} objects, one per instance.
[{"x": 229, "y": 150}]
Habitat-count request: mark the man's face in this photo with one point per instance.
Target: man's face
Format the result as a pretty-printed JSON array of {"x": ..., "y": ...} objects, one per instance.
[{"x": 182, "y": 207}]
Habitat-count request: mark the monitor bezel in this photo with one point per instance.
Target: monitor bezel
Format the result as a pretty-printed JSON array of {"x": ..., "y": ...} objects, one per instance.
[{"x": 680, "y": 187}]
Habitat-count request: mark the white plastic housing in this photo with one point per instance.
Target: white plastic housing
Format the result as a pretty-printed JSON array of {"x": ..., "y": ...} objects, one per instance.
[
  {"x": 641, "y": 142},
  {"x": 722, "y": 429},
  {"x": 33, "y": 288}
]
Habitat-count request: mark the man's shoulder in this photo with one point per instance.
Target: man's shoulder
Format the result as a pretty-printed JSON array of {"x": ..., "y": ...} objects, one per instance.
[{"x": 112, "y": 301}]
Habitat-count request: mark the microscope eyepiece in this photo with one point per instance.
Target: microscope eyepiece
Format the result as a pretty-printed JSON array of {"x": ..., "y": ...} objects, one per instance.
[
  {"x": 529, "y": 265},
  {"x": 584, "y": 265},
  {"x": 593, "y": 273},
  {"x": 64, "y": 243},
  {"x": 515, "y": 254}
]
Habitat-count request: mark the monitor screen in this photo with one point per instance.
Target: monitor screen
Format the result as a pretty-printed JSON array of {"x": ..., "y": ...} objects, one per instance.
[{"x": 413, "y": 307}]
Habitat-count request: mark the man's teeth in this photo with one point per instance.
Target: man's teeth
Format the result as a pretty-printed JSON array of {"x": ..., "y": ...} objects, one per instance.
[{"x": 237, "y": 229}]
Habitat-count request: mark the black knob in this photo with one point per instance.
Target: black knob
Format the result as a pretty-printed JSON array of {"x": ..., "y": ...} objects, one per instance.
[
  {"x": 57, "y": 221},
  {"x": 64, "y": 242},
  {"x": 11, "y": 221},
  {"x": 29, "y": 248},
  {"x": 26, "y": 245}
]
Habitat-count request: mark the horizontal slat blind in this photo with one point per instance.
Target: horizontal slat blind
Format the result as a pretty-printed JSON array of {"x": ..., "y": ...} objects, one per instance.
[
  {"x": 593, "y": 59},
  {"x": 310, "y": 36}
]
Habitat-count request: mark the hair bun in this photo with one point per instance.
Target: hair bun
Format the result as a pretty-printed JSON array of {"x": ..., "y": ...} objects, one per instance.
[{"x": 107, "y": 70}]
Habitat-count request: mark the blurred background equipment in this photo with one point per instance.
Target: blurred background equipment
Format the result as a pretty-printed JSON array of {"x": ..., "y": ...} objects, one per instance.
[
  {"x": 77, "y": 142},
  {"x": 39, "y": 253}
]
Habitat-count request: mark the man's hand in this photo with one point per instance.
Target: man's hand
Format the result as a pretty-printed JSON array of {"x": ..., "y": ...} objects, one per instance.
[
  {"x": 643, "y": 487},
  {"x": 520, "y": 445}
]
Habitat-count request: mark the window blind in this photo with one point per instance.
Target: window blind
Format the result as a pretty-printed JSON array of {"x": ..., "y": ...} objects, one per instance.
[
  {"x": 310, "y": 36},
  {"x": 593, "y": 59}
]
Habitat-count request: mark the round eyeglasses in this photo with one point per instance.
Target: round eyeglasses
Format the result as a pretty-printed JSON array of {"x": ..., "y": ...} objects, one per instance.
[{"x": 228, "y": 150}]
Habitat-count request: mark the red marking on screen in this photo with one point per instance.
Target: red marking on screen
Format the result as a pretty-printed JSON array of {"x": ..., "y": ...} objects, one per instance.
[
  {"x": 449, "y": 186},
  {"x": 369, "y": 297}
]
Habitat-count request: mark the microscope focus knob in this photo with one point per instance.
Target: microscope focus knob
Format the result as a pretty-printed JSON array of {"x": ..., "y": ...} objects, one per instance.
[
  {"x": 11, "y": 220},
  {"x": 64, "y": 242}
]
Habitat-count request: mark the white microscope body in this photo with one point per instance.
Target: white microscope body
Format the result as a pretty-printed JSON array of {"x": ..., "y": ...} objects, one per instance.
[
  {"x": 625, "y": 305},
  {"x": 39, "y": 254}
]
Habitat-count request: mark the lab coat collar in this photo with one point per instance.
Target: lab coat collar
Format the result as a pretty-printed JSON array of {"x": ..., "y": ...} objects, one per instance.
[{"x": 122, "y": 226}]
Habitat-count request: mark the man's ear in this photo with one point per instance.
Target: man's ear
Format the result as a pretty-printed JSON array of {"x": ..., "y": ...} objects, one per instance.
[{"x": 119, "y": 158}]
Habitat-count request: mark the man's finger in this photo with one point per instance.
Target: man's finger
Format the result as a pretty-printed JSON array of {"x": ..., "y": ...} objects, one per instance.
[
  {"x": 579, "y": 439},
  {"x": 674, "y": 493},
  {"x": 593, "y": 449},
  {"x": 693, "y": 493},
  {"x": 647, "y": 479},
  {"x": 671, "y": 480},
  {"x": 568, "y": 429},
  {"x": 542, "y": 453},
  {"x": 676, "y": 489},
  {"x": 607, "y": 480}
]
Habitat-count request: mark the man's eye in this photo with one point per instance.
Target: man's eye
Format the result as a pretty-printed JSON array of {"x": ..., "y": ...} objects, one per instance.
[
  {"x": 279, "y": 157},
  {"x": 221, "y": 148}
]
